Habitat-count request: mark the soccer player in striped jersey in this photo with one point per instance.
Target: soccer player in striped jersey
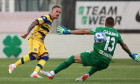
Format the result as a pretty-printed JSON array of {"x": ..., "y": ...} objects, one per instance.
[
  {"x": 37, "y": 49},
  {"x": 101, "y": 55}
]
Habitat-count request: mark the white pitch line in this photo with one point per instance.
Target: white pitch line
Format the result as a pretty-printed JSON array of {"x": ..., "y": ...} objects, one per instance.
[{"x": 73, "y": 78}]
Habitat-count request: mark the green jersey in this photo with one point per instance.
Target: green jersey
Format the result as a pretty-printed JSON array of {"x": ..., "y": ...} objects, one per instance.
[{"x": 112, "y": 38}]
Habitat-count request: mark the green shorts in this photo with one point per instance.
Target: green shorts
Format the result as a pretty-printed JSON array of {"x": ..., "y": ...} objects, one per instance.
[{"x": 95, "y": 59}]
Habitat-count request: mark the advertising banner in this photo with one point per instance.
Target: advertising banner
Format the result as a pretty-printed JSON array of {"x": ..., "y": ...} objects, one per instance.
[{"x": 90, "y": 14}]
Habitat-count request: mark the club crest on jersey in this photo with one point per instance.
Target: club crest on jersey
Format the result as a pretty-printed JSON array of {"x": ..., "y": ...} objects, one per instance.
[
  {"x": 40, "y": 19},
  {"x": 35, "y": 49}
]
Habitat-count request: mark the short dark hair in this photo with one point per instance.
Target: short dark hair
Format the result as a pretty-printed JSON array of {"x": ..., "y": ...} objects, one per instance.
[
  {"x": 56, "y": 7},
  {"x": 110, "y": 20}
]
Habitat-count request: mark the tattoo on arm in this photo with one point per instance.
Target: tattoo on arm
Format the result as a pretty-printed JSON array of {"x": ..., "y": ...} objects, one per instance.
[{"x": 32, "y": 26}]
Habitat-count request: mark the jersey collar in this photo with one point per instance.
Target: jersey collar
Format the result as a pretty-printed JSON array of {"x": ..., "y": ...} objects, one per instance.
[{"x": 110, "y": 27}]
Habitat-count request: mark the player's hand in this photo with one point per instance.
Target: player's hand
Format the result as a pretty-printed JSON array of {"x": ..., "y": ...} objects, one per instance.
[
  {"x": 135, "y": 57},
  {"x": 63, "y": 30},
  {"x": 25, "y": 35}
]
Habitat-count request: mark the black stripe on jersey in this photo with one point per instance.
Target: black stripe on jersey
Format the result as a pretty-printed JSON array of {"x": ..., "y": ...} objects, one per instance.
[
  {"x": 42, "y": 34},
  {"x": 46, "y": 21},
  {"x": 44, "y": 18},
  {"x": 45, "y": 28}
]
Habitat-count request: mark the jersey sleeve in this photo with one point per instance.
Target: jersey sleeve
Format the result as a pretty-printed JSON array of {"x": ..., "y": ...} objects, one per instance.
[
  {"x": 120, "y": 39},
  {"x": 93, "y": 31},
  {"x": 96, "y": 29},
  {"x": 42, "y": 19}
]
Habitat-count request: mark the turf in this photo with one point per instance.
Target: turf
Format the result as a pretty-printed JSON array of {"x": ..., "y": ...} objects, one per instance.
[{"x": 120, "y": 71}]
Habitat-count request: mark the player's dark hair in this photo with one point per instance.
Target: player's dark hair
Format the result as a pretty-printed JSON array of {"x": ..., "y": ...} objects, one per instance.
[
  {"x": 56, "y": 7},
  {"x": 110, "y": 20}
]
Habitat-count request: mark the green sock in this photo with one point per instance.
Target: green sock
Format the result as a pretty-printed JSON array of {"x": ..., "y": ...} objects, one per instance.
[
  {"x": 92, "y": 70},
  {"x": 64, "y": 65}
]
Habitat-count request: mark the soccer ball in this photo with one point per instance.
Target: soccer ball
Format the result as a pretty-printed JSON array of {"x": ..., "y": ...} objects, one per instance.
[{"x": 99, "y": 37}]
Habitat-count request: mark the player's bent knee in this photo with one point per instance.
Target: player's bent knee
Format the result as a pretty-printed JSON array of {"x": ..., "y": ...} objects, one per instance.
[
  {"x": 45, "y": 58},
  {"x": 77, "y": 59},
  {"x": 32, "y": 57}
]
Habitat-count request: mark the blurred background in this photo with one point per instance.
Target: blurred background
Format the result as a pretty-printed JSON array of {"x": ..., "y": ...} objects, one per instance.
[{"x": 17, "y": 15}]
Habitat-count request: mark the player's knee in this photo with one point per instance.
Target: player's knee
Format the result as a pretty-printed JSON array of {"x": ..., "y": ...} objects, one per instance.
[
  {"x": 77, "y": 59},
  {"x": 45, "y": 58},
  {"x": 32, "y": 57}
]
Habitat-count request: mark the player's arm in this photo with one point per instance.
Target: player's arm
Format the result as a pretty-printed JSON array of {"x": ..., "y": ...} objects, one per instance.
[
  {"x": 81, "y": 31},
  {"x": 34, "y": 23},
  {"x": 125, "y": 48},
  {"x": 63, "y": 30},
  {"x": 134, "y": 56}
]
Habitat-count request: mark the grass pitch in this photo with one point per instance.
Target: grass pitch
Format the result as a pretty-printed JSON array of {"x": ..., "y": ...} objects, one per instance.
[{"x": 120, "y": 71}]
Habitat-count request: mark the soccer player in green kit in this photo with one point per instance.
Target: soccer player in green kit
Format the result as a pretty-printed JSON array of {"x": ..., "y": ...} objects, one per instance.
[{"x": 102, "y": 54}]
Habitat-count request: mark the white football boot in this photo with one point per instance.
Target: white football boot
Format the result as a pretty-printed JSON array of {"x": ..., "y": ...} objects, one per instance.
[
  {"x": 47, "y": 73},
  {"x": 11, "y": 68},
  {"x": 84, "y": 77},
  {"x": 35, "y": 75}
]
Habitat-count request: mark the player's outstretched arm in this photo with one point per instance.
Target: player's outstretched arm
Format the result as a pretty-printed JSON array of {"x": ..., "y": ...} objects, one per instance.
[
  {"x": 134, "y": 56},
  {"x": 30, "y": 28},
  {"x": 63, "y": 30}
]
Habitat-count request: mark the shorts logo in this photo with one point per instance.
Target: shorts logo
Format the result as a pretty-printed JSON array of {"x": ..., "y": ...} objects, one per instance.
[{"x": 35, "y": 49}]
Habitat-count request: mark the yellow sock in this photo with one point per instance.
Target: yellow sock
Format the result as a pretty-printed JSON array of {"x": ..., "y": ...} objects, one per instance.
[
  {"x": 40, "y": 65},
  {"x": 23, "y": 60}
]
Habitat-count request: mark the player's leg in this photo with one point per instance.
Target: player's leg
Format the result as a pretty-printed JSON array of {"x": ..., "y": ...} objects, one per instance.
[
  {"x": 63, "y": 65},
  {"x": 87, "y": 59},
  {"x": 68, "y": 62},
  {"x": 23, "y": 60},
  {"x": 43, "y": 58},
  {"x": 33, "y": 53},
  {"x": 92, "y": 59},
  {"x": 85, "y": 76}
]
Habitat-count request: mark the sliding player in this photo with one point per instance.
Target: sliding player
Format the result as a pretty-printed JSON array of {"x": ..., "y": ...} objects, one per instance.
[{"x": 102, "y": 54}]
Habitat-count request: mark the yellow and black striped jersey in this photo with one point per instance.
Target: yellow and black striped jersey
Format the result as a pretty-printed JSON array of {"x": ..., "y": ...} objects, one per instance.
[{"x": 41, "y": 30}]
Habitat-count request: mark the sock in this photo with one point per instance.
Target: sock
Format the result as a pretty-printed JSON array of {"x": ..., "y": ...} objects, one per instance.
[
  {"x": 24, "y": 59},
  {"x": 52, "y": 73},
  {"x": 14, "y": 65},
  {"x": 34, "y": 73},
  {"x": 41, "y": 64},
  {"x": 64, "y": 65},
  {"x": 92, "y": 70}
]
